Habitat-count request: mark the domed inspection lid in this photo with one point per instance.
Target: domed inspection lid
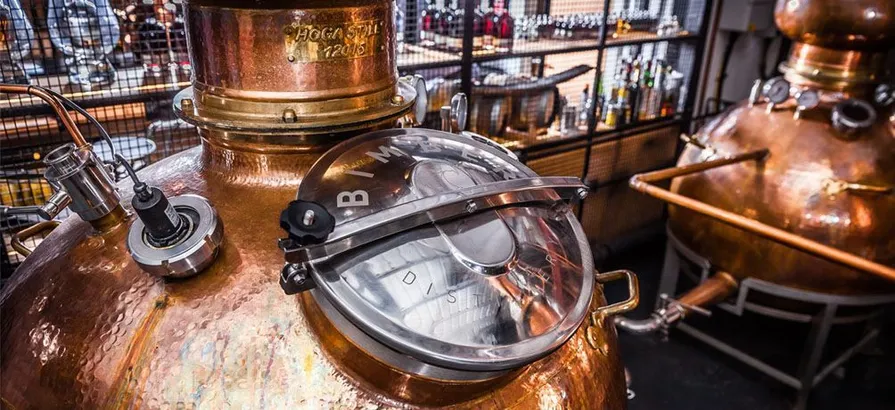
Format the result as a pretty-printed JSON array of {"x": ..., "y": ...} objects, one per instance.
[{"x": 441, "y": 247}]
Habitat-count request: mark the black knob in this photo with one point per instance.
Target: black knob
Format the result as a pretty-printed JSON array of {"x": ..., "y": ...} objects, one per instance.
[
  {"x": 307, "y": 222},
  {"x": 164, "y": 225}
]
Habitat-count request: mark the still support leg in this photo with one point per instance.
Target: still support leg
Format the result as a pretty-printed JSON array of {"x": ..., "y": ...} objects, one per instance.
[{"x": 814, "y": 349}]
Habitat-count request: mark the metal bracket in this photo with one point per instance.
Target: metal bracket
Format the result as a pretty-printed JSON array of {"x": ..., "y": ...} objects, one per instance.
[{"x": 295, "y": 278}]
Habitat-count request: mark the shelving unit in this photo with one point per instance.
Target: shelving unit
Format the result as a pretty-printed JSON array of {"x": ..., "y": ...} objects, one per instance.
[{"x": 137, "y": 101}]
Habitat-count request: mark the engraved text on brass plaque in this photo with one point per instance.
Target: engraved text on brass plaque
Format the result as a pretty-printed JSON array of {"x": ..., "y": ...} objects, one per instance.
[{"x": 320, "y": 42}]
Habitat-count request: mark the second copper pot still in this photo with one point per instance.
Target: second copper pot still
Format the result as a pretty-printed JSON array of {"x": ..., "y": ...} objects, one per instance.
[{"x": 794, "y": 186}]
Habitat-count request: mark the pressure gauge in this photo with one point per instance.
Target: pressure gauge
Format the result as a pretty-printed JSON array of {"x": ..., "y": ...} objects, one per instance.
[
  {"x": 806, "y": 100},
  {"x": 438, "y": 254},
  {"x": 776, "y": 90}
]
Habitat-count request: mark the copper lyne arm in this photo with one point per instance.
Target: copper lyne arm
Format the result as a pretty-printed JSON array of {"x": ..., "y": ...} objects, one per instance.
[
  {"x": 644, "y": 183},
  {"x": 54, "y": 102}
]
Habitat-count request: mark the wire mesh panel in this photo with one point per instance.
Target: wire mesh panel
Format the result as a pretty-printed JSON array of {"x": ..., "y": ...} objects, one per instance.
[
  {"x": 634, "y": 21},
  {"x": 122, "y": 60},
  {"x": 543, "y": 77}
]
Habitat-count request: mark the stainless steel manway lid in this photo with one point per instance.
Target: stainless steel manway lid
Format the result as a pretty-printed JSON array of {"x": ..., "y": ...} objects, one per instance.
[{"x": 447, "y": 249}]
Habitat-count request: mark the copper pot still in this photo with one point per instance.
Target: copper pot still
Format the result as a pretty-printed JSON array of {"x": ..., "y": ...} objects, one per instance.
[
  {"x": 95, "y": 318},
  {"x": 795, "y": 185}
]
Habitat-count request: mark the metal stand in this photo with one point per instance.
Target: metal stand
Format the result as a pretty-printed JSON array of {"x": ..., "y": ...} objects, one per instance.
[{"x": 810, "y": 371}]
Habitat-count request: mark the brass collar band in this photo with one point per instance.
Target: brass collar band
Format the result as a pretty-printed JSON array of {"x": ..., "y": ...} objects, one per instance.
[
  {"x": 829, "y": 69},
  {"x": 279, "y": 117}
]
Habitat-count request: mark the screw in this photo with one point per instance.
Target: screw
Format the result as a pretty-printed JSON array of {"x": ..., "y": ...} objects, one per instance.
[
  {"x": 289, "y": 116},
  {"x": 582, "y": 193},
  {"x": 186, "y": 103},
  {"x": 398, "y": 99},
  {"x": 291, "y": 58},
  {"x": 471, "y": 207}
]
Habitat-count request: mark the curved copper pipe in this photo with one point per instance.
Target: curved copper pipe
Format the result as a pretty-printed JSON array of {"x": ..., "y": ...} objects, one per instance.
[
  {"x": 60, "y": 110},
  {"x": 642, "y": 183},
  {"x": 17, "y": 238}
]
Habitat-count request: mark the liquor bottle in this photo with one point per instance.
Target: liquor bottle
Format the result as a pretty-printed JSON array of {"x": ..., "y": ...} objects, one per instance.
[
  {"x": 490, "y": 27},
  {"x": 633, "y": 94},
  {"x": 478, "y": 29},
  {"x": 587, "y": 103},
  {"x": 427, "y": 24},
  {"x": 453, "y": 40},
  {"x": 505, "y": 26},
  {"x": 669, "y": 94},
  {"x": 646, "y": 89},
  {"x": 440, "y": 32}
]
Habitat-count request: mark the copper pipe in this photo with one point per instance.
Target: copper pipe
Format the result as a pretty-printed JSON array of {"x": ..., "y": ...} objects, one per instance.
[
  {"x": 57, "y": 106},
  {"x": 711, "y": 291},
  {"x": 17, "y": 238},
  {"x": 642, "y": 183}
]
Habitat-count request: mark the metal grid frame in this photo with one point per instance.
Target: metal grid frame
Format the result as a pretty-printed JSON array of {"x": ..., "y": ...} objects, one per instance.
[{"x": 150, "y": 71}]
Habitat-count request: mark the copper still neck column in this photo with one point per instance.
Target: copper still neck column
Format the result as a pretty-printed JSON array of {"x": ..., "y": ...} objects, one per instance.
[
  {"x": 839, "y": 45},
  {"x": 280, "y": 76}
]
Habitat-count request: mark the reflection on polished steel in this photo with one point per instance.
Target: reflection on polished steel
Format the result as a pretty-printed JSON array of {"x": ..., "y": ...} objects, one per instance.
[
  {"x": 794, "y": 186},
  {"x": 480, "y": 289},
  {"x": 86, "y": 327}
]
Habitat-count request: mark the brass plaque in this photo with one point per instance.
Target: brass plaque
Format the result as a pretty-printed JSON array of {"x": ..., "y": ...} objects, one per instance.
[{"x": 308, "y": 43}]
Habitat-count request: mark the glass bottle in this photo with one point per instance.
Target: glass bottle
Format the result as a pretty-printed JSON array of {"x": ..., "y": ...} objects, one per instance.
[
  {"x": 478, "y": 29},
  {"x": 490, "y": 27},
  {"x": 441, "y": 26},
  {"x": 505, "y": 26},
  {"x": 427, "y": 24},
  {"x": 454, "y": 28},
  {"x": 85, "y": 31}
]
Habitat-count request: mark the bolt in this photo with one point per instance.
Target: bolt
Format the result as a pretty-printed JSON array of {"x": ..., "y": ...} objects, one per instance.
[
  {"x": 471, "y": 207},
  {"x": 398, "y": 99},
  {"x": 309, "y": 218},
  {"x": 289, "y": 116},
  {"x": 582, "y": 193},
  {"x": 287, "y": 30},
  {"x": 291, "y": 58},
  {"x": 186, "y": 103}
]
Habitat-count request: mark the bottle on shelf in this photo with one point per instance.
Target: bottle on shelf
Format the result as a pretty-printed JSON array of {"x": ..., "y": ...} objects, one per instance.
[
  {"x": 453, "y": 21},
  {"x": 587, "y": 103},
  {"x": 490, "y": 27},
  {"x": 439, "y": 37},
  {"x": 478, "y": 28},
  {"x": 427, "y": 24},
  {"x": 633, "y": 92},
  {"x": 644, "y": 111},
  {"x": 505, "y": 26}
]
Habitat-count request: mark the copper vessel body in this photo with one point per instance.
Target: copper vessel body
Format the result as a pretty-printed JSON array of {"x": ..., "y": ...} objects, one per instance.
[
  {"x": 787, "y": 190},
  {"x": 84, "y": 327}
]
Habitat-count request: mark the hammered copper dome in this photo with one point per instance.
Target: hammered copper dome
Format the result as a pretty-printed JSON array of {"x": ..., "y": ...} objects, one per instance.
[{"x": 85, "y": 327}]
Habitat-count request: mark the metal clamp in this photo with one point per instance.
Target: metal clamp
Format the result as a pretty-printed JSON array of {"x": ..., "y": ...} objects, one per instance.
[
  {"x": 436, "y": 208},
  {"x": 18, "y": 238},
  {"x": 627, "y": 305}
]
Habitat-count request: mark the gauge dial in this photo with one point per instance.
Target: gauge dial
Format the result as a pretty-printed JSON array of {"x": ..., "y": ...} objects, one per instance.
[
  {"x": 776, "y": 90},
  {"x": 808, "y": 99}
]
